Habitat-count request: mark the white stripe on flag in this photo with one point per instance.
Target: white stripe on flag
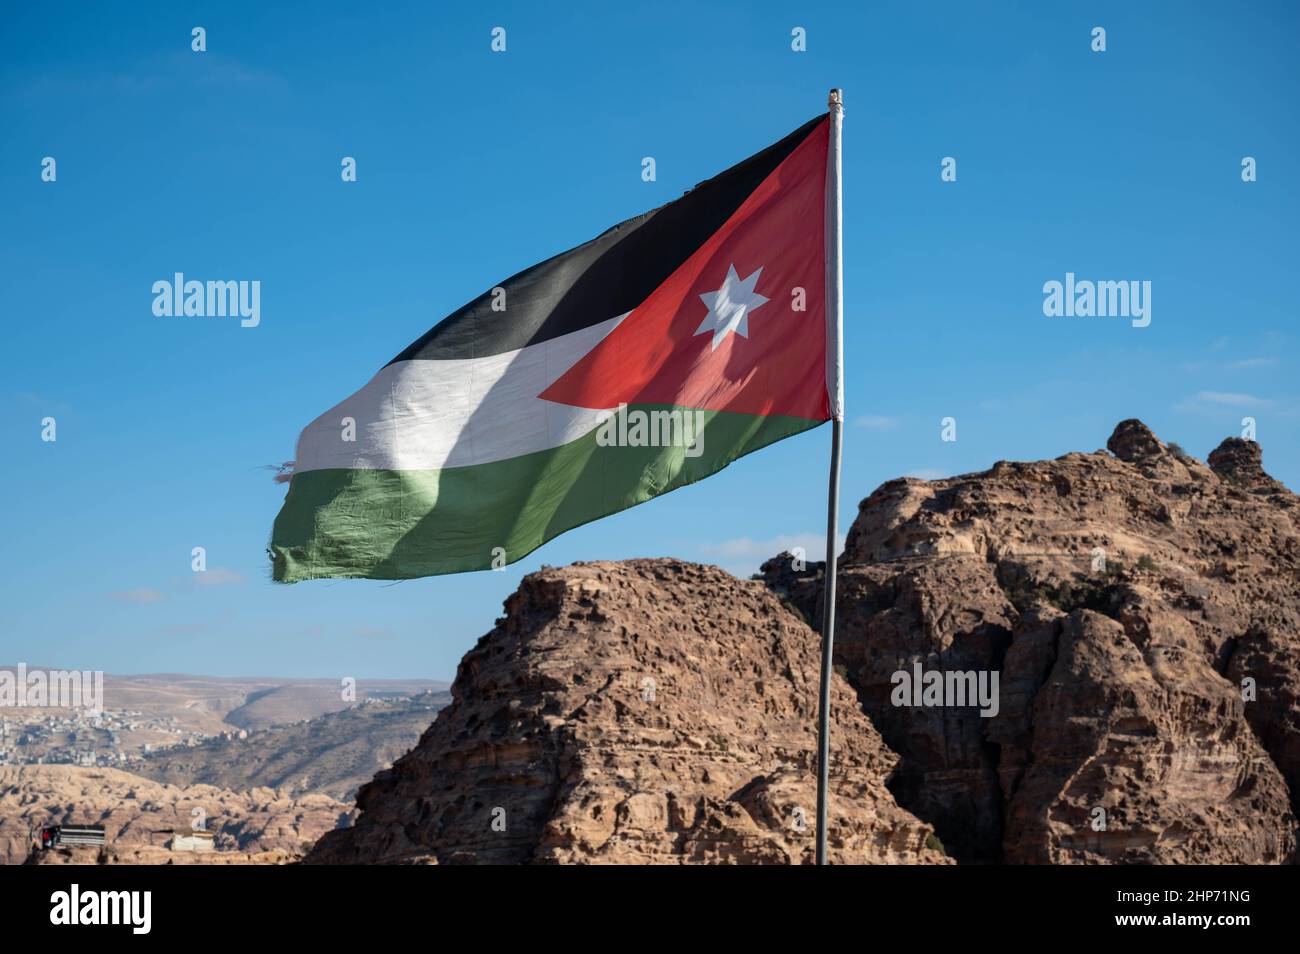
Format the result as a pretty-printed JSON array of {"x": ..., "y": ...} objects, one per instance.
[{"x": 427, "y": 415}]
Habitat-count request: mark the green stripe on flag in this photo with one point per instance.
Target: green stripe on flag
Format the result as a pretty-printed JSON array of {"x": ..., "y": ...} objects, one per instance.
[{"x": 389, "y": 524}]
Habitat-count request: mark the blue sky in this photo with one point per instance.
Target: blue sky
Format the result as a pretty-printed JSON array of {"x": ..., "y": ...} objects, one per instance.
[{"x": 471, "y": 165}]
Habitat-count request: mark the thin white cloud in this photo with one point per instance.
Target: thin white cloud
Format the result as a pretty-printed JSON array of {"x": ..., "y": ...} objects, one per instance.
[
  {"x": 1247, "y": 363},
  {"x": 743, "y": 555},
  {"x": 928, "y": 473},
  {"x": 183, "y": 629},
  {"x": 1231, "y": 399},
  {"x": 1218, "y": 401},
  {"x": 140, "y": 596}
]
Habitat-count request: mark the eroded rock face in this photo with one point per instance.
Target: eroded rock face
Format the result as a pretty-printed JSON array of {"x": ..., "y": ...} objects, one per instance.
[
  {"x": 1138, "y": 752},
  {"x": 1142, "y": 615},
  {"x": 652, "y": 711}
]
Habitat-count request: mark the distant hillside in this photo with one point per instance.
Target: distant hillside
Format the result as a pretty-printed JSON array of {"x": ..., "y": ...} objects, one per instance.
[
  {"x": 331, "y": 755},
  {"x": 298, "y": 700},
  {"x": 160, "y": 711}
]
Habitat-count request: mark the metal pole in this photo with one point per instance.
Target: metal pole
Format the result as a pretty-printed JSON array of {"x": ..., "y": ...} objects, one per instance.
[{"x": 835, "y": 389}]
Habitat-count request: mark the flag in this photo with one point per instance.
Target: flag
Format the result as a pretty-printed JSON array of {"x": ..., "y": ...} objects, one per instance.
[{"x": 647, "y": 359}]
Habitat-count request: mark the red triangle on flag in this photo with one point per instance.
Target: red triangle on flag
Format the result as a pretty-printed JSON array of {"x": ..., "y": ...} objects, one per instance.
[{"x": 741, "y": 325}]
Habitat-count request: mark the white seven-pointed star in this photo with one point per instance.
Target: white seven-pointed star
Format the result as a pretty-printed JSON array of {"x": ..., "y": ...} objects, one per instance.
[{"x": 730, "y": 305}]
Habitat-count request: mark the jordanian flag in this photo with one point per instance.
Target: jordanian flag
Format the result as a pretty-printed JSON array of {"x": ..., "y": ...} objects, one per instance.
[{"x": 642, "y": 361}]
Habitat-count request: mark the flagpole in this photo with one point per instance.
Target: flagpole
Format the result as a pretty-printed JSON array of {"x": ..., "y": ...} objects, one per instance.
[{"x": 835, "y": 390}]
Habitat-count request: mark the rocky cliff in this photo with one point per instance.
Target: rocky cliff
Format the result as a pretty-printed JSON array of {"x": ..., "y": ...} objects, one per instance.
[
  {"x": 1114, "y": 637},
  {"x": 641, "y": 712},
  {"x": 1141, "y": 611}
]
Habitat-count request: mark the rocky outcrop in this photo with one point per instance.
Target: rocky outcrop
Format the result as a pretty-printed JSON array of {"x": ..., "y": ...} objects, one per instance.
[
  {"x": 1240, "y": 463},
  {"x": 262, "y": 826},
  {"x": 652, "y": 711},
  {"x": 1133, "y": 441},
  {"x": 1142, "y": 616}
]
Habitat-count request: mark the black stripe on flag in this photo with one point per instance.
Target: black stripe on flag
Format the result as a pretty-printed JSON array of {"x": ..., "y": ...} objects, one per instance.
[{"x": 606, "y": 277}]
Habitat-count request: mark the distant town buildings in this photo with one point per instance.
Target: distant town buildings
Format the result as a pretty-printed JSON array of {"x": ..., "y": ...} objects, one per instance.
[{"x": 75, "y": 737}]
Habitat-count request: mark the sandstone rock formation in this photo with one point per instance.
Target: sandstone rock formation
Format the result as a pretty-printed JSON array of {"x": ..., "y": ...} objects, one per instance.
[
  {"x": 652, "y": 711},
  {"x": 1241, "y": 463},
  {"x": 262, "y": 826},
  {"x": 1142, "y": 614}
]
